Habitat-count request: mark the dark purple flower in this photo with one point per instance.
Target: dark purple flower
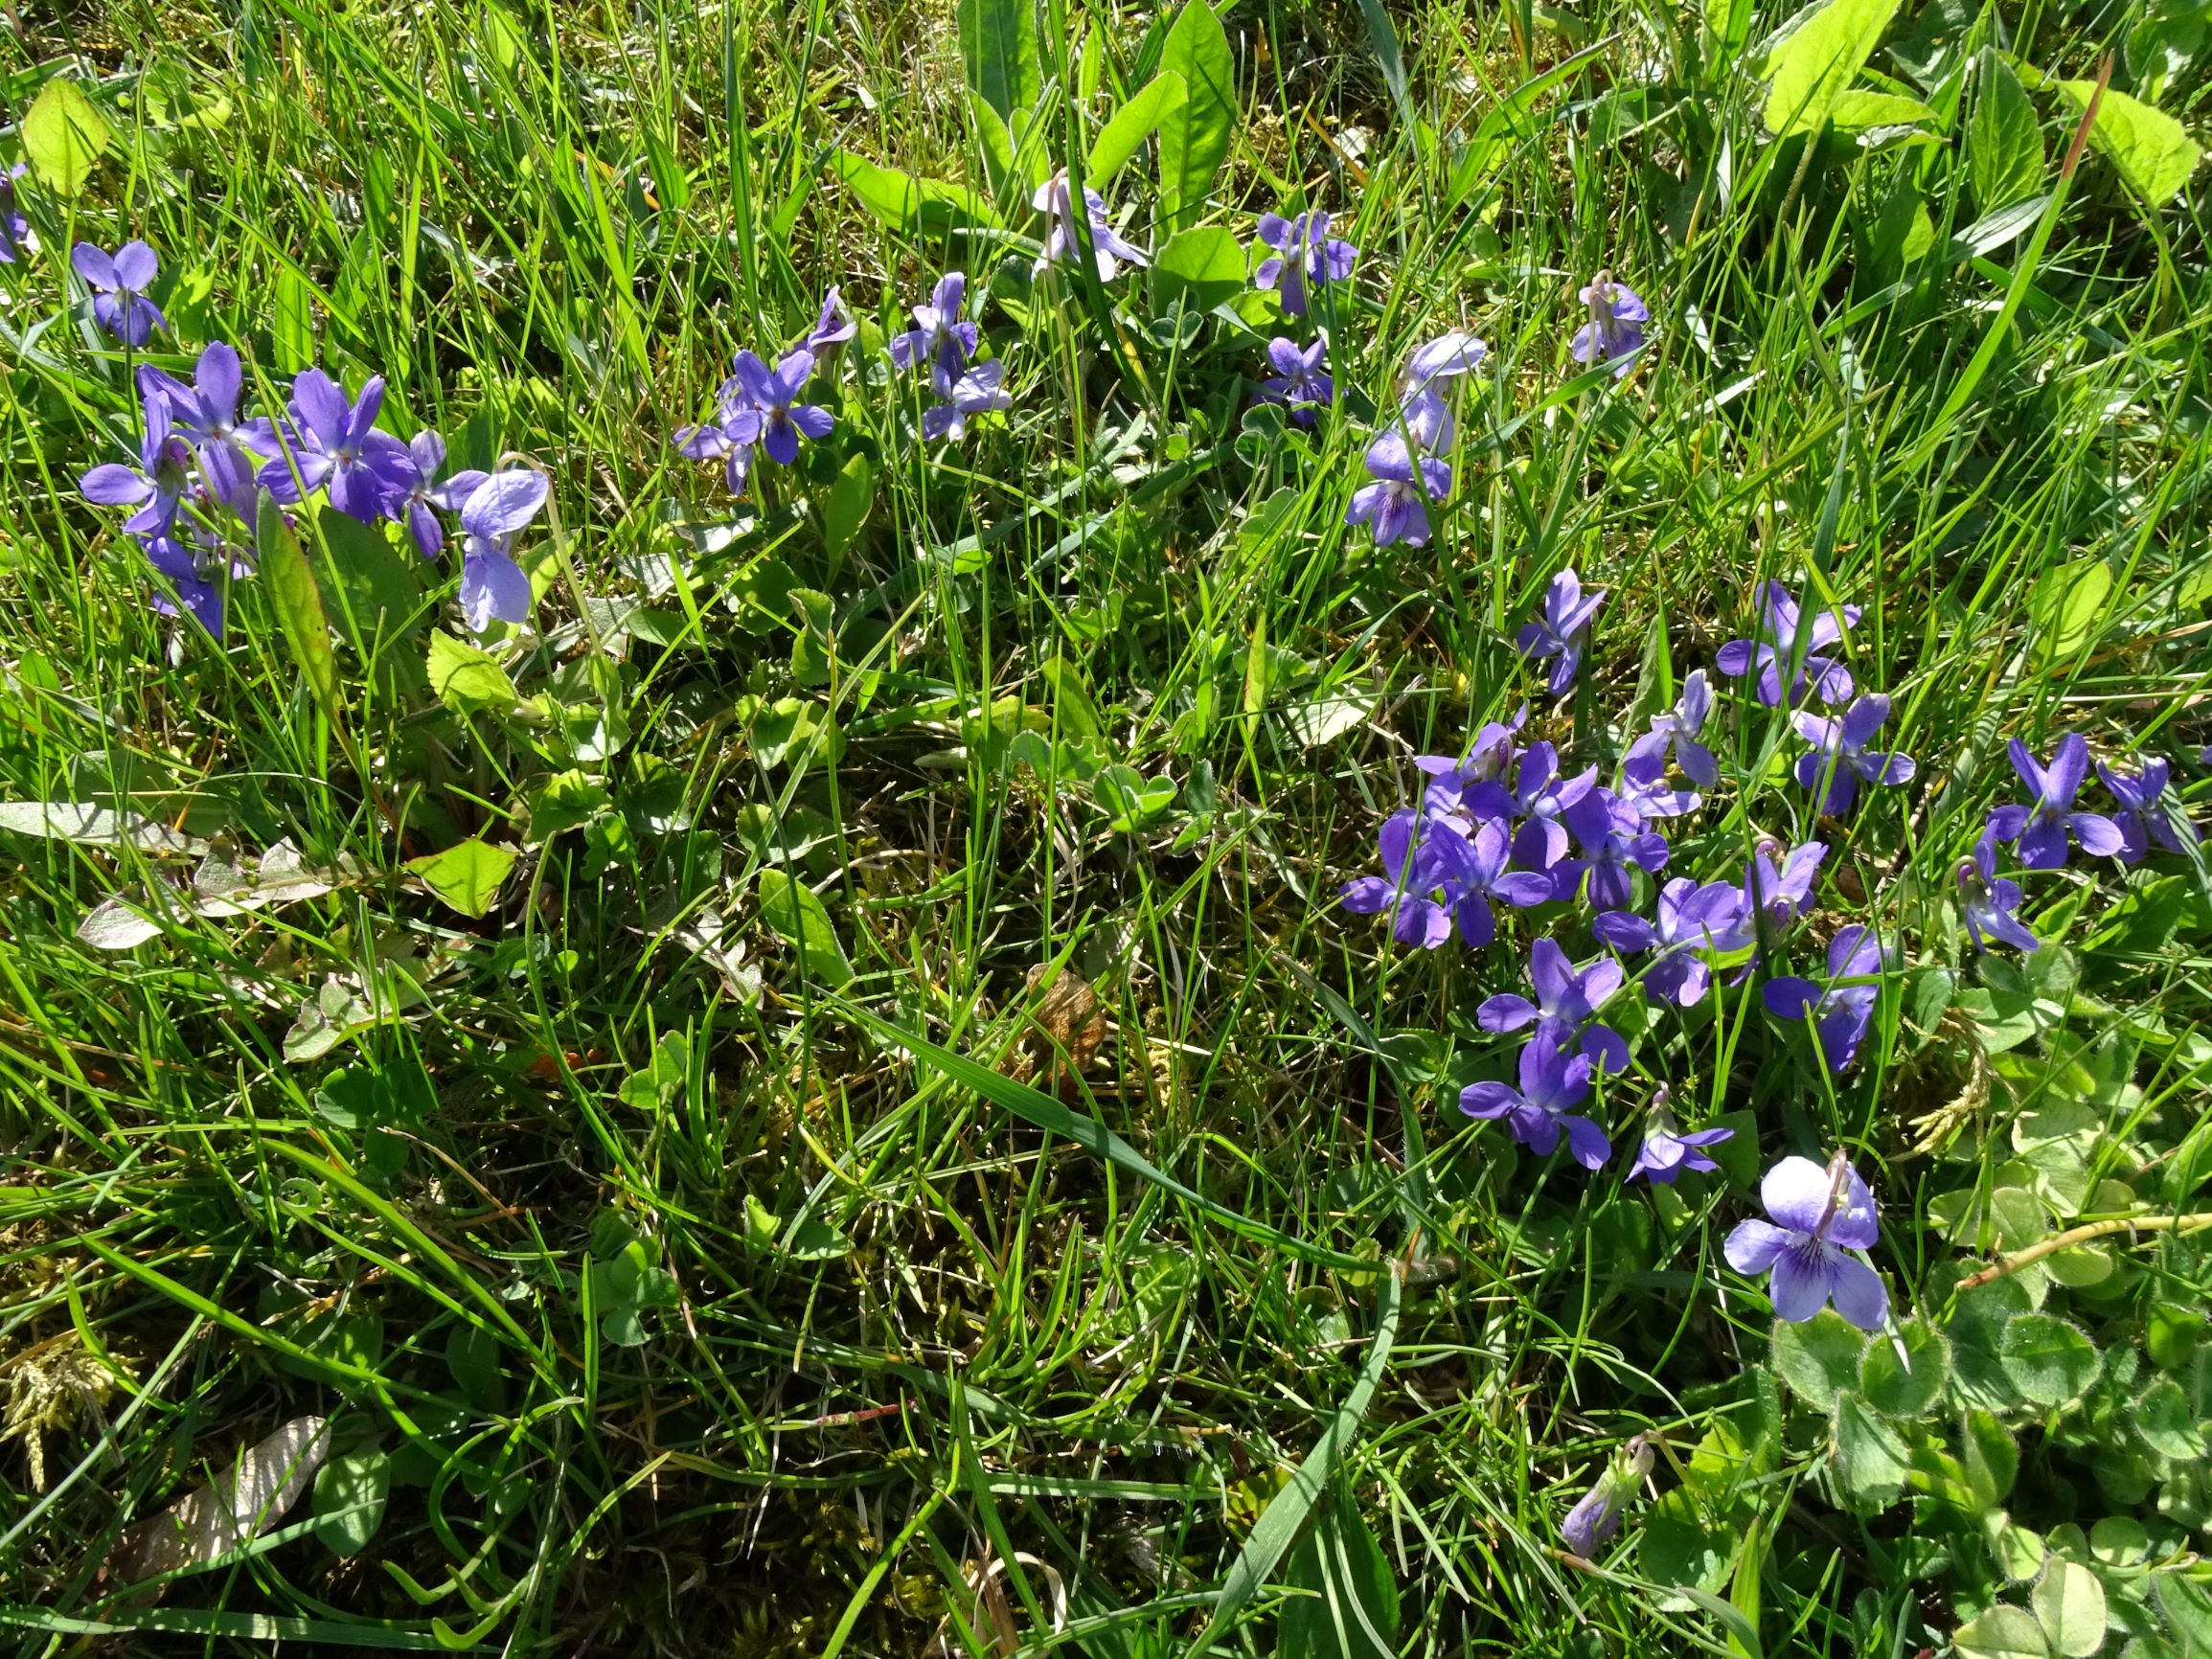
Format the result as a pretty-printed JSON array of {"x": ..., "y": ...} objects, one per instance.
[
  {"x": 729, "y": 438},
  {"x": 1553, "y": 1081},
  {"x": 830, "y": 329},
  {"x": 1819, "y": 1218},
  {"x": 1305, "y": 253},
  {"x": 182, "y": 569},
  {"x": 775, "y": 393},
  {"x": 119, "y": 285},
  {"x": 2041, "y": 827},
  {"x": 497, "y": 510},
  {"x": 1466, "y": 870},
  {"x": 1615, "y": 330},
  {"x": 1420, "y": 400},
  {"x": 1597, "y": 1515},
  {"x": 938, "y": 339},
  {"x": 230, "y": 452},
  {"x": 1677, "y": 729},
  {"x": 1561, "y": 627},
  {"x": 1055, "y": 200},
  {"x": 1567, "y": 1000},
  {"x": 1842, "y": 1011},
  {"x": 1412, "y": 872},
  {"x": 1643, "y": 788},
  {"x": 1392, "y": 504},
  {"x": 13, "y": 226},
  {"x": 1541, "y": 797},
  {"x": 1778, "y": 641},
  {"x": 156, "y": 486},
  {"x": 1667, "y": 1153},
  {"x": 1839, "y": 753},
  {"x": 1612, "y": 834},
  {"x": 1299, "y": 381},
  {"x": 2145, "y": 818},
  {"x": 1693, "y": 922},
  {"x": 975, "y": 392},
  {"x": 332, "y": 444},
  {"x": 1988, "y": 900},
  {"x": 427, "y": 489},
  {"x": 1777, "y": 898}
]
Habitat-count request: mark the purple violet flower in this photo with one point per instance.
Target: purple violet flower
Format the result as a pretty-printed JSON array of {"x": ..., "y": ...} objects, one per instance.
[
  {"x": 1561, "y": 629},
  {"x": 119, "y": 285},
  {"x": 975, "y": 392},
  {"x": 1839, "y": 753},
  {"x": 1778, "y": 641},
  {"x": 830, "y": 329},
  {"x": 1642, "y": 787},
  {"x": 497, "y": 510},
  {"x": 1392, "y": 504},
  {"x": 1693, "y": 920},
  {"x": 1677, "y": 729},
  {"x": 1988, "y": 900},
  {"x": 1820, "y": 1219},
  {"x": 1411, "y": 874},
  {"x": 2041, "y": 827},
  {"x": 2144, "y": 818},
  {"x": 1305, "y": 253},
  {"x": 1615, "y": 330},
  {"x": 331, "y": 443},
  {"x": 181, "y": 568},
  {"x": 1487, "y": 758},
  {"x": 938, "y": 339},
  {"x": 1777, "y": 898},
  {"x": 1844, "y": 1009},
  {"x": 1541, "y": 796},
  {"x": 1612, "y": 832},
  {"x": 1567, "y": 1001},
  {"x": 1553, "y": 1082},
  {"x": 14, "y": 228},
  {"x": 1055, "y": 200},
  {"x": 156, "y": 486},
  {"x": 1667, "y": 1153},
  {"x": 1421, "y": 400},
  {"x": 775, "y": 393},
  {"x": 1299, "y": 381},
  {"x": 729, "y": 438},
  {"x": 230, "y": 452},
  {"x": 1597, "y": 1515},
  {"x": 427, "y": 489}
]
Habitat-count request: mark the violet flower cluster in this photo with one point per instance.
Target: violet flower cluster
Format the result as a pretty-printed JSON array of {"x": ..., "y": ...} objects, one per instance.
[
  {"x": 763, "y": 407},
  {"x": 1305, "y": 264}
]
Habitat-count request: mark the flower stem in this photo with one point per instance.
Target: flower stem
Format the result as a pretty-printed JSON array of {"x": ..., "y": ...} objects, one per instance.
[{"x": 2082, "y": 1235}]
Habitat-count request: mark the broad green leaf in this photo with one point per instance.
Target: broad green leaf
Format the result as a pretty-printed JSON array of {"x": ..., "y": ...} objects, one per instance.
[
  {"x": 351, "y": 1493},
  {"x": 2048, "y": 1360},
  {"x": 368, "y": 585},
  {"x": 299, "y": 606},
  {"x": 293, "y": 321},
  {"x": 1353, "y": 1613},
  {"x": 916, "y": 206},
  {"x": 2004, "y": 141},
  {"x": 1130, "y": 800},
  {"x": 1195, "y": 134},
  {"x": 845, "y": 509},
  {"x": 2188, "y": 1607},
  {"x": 1199, "y": 268},
  {"x": 2168, "y": 1426},
  {"x": 1071, "y": 701},
  {"x": 465, "y": 876},
  {"x": 1857, "y": 109},
  {"x": 1820, "y": 1357},
  {"x": 2069, "y": 1604},
  {"x": 2000, "y": 1632},
  {"x": 814, "y": 1239},
  {"x": 469, "y": 679},
  {"x": 2020, "y": 1551},
  {"x": 998, "y": 51},
  {"x": 475, "y": 1358},
  {"x": 1991, "y": 1455},
  {"x": 2066, "y": 605},
  {"x": 1132, "y": 125},
  {"x": 2148, "y": 146},
  {"x": 1871, "y": 1462},
  {"x": 566, "y": 801},
  {"x": 797, "y": 915},
  {"x": 1893, "y": 1389},
  {"x": 1812, "y": 65},
  {"x": 654, "y": 1087},
  {"x": 1677, "y": 1548},
  {"x": 64, "y": 135}
]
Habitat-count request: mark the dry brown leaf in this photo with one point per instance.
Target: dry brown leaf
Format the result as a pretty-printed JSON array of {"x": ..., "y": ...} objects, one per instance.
[{"x": 242, "y": 1501}]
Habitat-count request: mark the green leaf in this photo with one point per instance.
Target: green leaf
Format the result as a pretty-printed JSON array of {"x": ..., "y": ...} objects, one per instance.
[
  {"x": 2004, "y": 141},
  {"x": 1195, "y": 134},
  {"x": 465, "y": 876},
  {"x": 351, "y": 1493},
  {"x": 1810, "y": 69},
  {"x": 1353, "y": 1613},
  {"x": 1279, "y": 1523},
  {"x": 2148, "y": 146},
  {"x": 916, "y": 206},
  {"x": 813, "y": 1239},
  {"x": 1199, "y": 268},
  {"x": 64, "y": 135},
  {"x": 469, "y": 679},
  {"x": 2168, "y": 1426},
  {"x": 1991, "y": 1456},
  {"x": 2188, "y": 1607},
  {"x": 299, "y": 606},
  {"x": 566, "y": 801},
  {"x": 998, "y": 51},
  {"x": 798, "y": 916},
  {"x": 651, "y": 1089},
  {"x": 1857, "y": 109},
  {"x": 1820, "y": 1357},
  {"x": 1871, "y": 1462},
  {"x": 2000, "y": 1632},
  {"x": 2048, "y": 1360},
  {"x": 1071, "y": 699},
  {"x": 2069, "y": 1604},
  {"x": 1132, "y": 125},
  {"x": 368, "y": 587},
  {"x": 2020, "y": 1551},
  {"x": 846, "y": 507},
  {"x": 1130, "y": 800},
  {"x": 2066, "y": 607},
  {"x": 293, "y": 321},
  {"x": 1895, "y": 1390},
  {"x": 1676, "y": 1547},
  {"x": 474, "y": 1357}
]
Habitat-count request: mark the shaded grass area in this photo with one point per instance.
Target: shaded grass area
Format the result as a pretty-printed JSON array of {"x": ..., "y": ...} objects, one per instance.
[{"x": 673, "y": 1303}]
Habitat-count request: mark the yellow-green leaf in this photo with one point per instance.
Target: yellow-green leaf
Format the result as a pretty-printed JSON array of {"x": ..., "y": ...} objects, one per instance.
[
  {"x": 466, "y": 877},
  {"x": 2148, "y": 146},
  {"x": 1132, "y": 125},
  {"x": 64, "y": 135},
  {"x": 290, "y": 581},
  {"x": 2066, "y": 605},
  {"x": 1811, "y": 66},
  {"x": 466, "y": 678},
  {"x": 800, "y": 917}
]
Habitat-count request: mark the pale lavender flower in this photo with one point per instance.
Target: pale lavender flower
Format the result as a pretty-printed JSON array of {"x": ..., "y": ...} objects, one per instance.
[
  {"x": 1988, "y": 900},
  {"x": 1299, "y": 381},
  {"x": 1392, "y": 503},
  {"x": 2040, "y": 825},
  {"x": 1553, "y": 1082},
  {"x": 182, "y": 569},
  {"x": 1778, "y": 640},
  {"x": 118, "y": 285},
  {"x": 156, "y": 486},
  {"x": 14, "y": 228},
  {"x": 1777, "y": 898},
  {"x": 830, "y": 329},
  {"x": 1055, "y": 200},
  {"x": 1839, "y": 753},
  {"x": 493, "y": 585},
  {"x": 1421, "y": 390},
  {"x": 938, "y": 339},
  {"x": 1667, "y": 1153},
  {"x": 1561, "y": 629},
  {"x": 1822, "y": 1218},
  {"x": 1615, "y": 330},
  {"x": 729, "y": 438},
  {"x": 975, "y": 392},
  {"x": 230, "y": 450},
  {"x": 1305, "y": 254},
  {"x": 1693, "y": 922},
  {"x": 428, "y": 488},
  {"x": 2144, "y": 818},
  {"x": 1612, "y": 834},
  {"x": 1677, "y": 729}
]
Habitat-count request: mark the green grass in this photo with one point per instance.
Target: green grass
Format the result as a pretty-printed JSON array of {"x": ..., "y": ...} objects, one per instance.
[{"x": 686, "y": 1289}]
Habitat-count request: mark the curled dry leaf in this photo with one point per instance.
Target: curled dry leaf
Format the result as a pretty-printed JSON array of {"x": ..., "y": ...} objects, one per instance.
[
  {"x": 1066, "y": 1017},
  {"x": 219, "y": 887},
  {"x": 87, "y": 824},
  {"x": 243, "y": 1501}
]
